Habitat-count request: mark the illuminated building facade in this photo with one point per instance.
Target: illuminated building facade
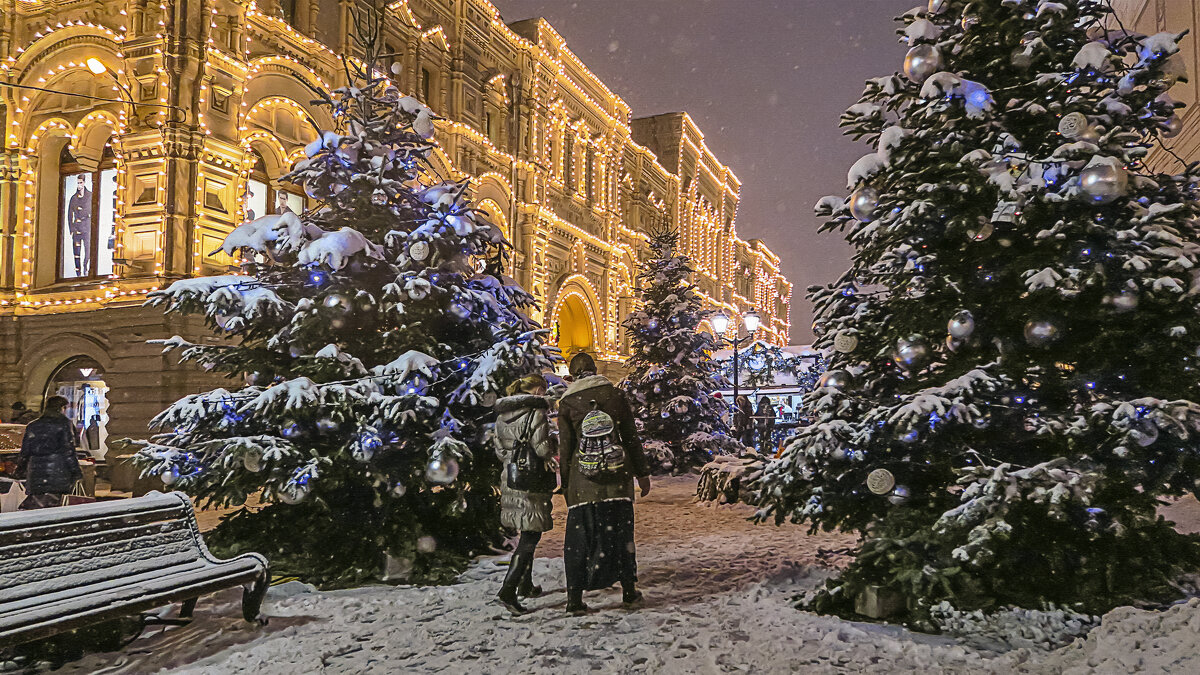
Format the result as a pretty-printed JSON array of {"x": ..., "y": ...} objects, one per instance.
[
  {"x": 136, "y": 134},
  {"x": 1153, "y": 16}
]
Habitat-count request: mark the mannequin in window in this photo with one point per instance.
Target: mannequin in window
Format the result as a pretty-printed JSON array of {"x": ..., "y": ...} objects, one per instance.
[
  {"x": 281, "y": 203},
  {"x": 248, "y": 199},
  {"x": 79, "y": 222}
]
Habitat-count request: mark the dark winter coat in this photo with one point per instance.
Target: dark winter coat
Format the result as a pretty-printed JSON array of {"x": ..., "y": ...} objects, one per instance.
[
  {"x": 575, "y": 404},
  {"x": 523, "y": 416},
  {"x": 47, "y": 460}
]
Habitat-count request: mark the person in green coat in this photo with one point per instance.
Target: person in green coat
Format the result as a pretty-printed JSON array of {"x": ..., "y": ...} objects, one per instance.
[{"x": 599, "y": 549}]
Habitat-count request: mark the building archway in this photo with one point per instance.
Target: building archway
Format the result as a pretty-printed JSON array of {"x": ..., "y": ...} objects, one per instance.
[
  {"x": 80, "y": 380},
  {"x": 573, "y": 326}
]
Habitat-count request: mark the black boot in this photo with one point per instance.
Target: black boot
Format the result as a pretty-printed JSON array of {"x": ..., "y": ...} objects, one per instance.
[
  {"x": 526, "y": 589},
  {"x": 575, "y": 606},
  {"x": 508, "y": 590},
  {"x": 631, "y": 597}
]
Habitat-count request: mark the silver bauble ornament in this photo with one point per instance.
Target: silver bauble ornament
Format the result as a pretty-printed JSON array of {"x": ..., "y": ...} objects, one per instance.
[
  {"x": 488, "y": 399},
  {"x": 1125, "y": 301},
  {"x": 961, "y": 325},
  {"x": 418, "y": 250},
  {"x": 863, "y": 203},
  {"x": 1039, "y": 332},
  {"x": 170, "y": 476},
  {"x": 1172, "y": 126},
  {"x": 1103, "y": 182},
  {"x": 1072, "y": 124},
  {"x": 460, "y": 506},
  {"x": 838, "y": 453},
  {"x": 911, "y": 353},
  {"x": 295, "y": 351},
  {"x": 922, "y": 61},
  {"x": 253, "y": 379},
  {"x": 899, "y": 495},
  {"x": 252, "y": 460},
  {"x": 337, "y": 301},
  {"x": 397, "y": 490},
  {"x": 881, "y": 481},
  {"x": 442, "y": 470},
  {"x": 1144, "y": 433},
  {"x": 426, "y": 544},
  {"x": 937, "y": 6},
  {"x": 845, "y": 342},
  {"x": 836, "y": 378},
  {"x": 954, "y": 344}
]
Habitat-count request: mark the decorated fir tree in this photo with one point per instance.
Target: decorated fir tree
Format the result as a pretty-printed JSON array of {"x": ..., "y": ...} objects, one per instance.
[
  {"x": 672, "y": 376},
  {"x": 374, "y": 333},
  {"x": 1014, "y": 386}
]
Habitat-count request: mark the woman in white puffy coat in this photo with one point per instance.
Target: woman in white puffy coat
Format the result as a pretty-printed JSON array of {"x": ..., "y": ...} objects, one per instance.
[{"x": 523, "y": 414}]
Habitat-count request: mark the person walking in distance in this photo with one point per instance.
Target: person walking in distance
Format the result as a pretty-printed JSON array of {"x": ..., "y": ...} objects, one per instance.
[
  {"x": 601, "y": 458},
  {"x": 523, "y": 426},
  {"x": 765, "y": 421},
  {"x": 743, "y": 420},
  {"x": 47, "y": 460}
]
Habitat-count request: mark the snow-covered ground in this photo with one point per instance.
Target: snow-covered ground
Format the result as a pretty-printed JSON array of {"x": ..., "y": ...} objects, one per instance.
[{"x": 719, "y": 600}]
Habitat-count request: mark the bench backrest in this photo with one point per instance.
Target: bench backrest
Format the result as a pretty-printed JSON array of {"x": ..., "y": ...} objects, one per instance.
[{"x": 51, "y": 550}]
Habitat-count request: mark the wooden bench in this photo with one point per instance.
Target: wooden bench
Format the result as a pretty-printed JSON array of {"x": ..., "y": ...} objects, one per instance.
[{"x": 66, "y": 568}]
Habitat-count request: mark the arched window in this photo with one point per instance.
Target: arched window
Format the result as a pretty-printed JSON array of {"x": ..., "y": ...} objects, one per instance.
[
  {"x": 87, "y": 217},
  {"x": 288, "y": 9},
  {"x": 569, "y": 162},
  {"x": 261, "y": 198},
  {"x": 80, "y": 380}
]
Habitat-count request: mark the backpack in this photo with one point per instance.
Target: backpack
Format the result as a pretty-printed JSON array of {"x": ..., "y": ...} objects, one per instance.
[
  {"x": 526, "y": 471},
  {"x": 601, "y": 458}
]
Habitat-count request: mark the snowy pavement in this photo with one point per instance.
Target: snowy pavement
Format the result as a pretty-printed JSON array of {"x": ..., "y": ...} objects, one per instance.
[{"x": 719, "y": 600}]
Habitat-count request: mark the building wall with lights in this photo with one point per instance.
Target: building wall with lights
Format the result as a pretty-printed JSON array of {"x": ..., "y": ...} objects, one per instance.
[
  {"x": 136, "y": 135},
  {"x": 1152, "y": 16}
]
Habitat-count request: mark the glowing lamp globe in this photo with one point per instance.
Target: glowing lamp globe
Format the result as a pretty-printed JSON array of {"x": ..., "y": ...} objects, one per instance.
[
  {"x": 720, "y": 323},
  {"x": 751, "y": 321}
]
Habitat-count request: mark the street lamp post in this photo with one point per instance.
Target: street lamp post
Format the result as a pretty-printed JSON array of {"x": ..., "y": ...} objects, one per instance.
[{"x": 720, "y": 324}]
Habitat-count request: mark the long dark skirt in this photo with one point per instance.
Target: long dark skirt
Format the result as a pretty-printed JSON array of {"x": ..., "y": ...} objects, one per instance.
[{"x": 599, "y": 549}]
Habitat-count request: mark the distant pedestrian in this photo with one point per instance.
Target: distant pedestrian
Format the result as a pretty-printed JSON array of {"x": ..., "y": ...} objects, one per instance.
[
  {"x": 597, "y": 431},
  {"x": 522, "y": 425},
  {"x": 47, "y": 459},
  {"x": 743, "y": 420},
  {"x": 765, "y": 423},
  {"x": 20, "y": 414}
]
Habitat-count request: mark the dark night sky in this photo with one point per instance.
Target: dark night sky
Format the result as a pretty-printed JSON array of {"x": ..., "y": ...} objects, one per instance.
[{"x": 766, "y": 80}]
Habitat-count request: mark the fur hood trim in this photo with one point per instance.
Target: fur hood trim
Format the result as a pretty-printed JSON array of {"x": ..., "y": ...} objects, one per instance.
[
  {"x": 589, "y": 382},
  {"x": 521, "y": 402}
]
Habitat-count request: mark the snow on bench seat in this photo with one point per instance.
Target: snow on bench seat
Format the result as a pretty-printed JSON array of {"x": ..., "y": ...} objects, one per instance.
[{"x": 67, "y": 567}]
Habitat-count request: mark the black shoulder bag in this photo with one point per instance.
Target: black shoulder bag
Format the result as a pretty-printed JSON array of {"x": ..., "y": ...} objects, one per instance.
[{"x": 526, "y": 471}]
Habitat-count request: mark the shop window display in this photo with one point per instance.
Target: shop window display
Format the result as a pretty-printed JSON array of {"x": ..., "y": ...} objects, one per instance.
[
  {"x": 87, "y": 235},
  {"x": 81, "y": 382}
]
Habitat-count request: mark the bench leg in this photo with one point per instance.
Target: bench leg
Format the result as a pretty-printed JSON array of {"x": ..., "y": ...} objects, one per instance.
[
  {"x": 252, "y": 599},
  {"x": 186, "y": 609}
]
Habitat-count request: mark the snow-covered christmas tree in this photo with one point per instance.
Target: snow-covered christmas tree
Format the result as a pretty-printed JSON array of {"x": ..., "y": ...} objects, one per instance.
[
  {"x": 373, "y": 333},
  {"x": 672, "y": 375},
  {"x": 1014, "y": 381}
]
